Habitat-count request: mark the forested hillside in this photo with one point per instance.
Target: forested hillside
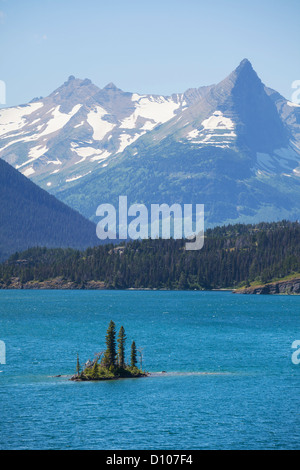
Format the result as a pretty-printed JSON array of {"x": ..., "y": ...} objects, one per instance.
[
  {"x": 232, "y": 256},
  {"x": 29, "y": 216}
]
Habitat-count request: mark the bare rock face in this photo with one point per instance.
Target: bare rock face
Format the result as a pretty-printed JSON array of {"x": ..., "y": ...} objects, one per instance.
[{"x": 291, "y": 287}]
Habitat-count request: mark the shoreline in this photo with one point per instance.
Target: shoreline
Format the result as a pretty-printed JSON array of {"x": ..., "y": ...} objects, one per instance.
[
  {"x": 281, "y": 287},
  {"x": 62, "y": 284},
  {"x": 105, "y": 379},
  {"x": 147, "y": 374}
]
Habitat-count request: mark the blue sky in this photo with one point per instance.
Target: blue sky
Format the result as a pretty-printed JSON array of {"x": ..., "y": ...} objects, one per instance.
[{"x": 152, "y": 46}]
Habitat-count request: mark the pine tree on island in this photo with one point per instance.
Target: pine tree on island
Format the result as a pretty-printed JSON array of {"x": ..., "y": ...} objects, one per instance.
[
  {"x": 133, "y": 354},
  {"x": 121, "y": 347},
  {"x": 113, "y": 364},
  {"x": 95, "y": 370},
  {"x": 78, "y": 366},
  {"x": 110, "y": 353}
]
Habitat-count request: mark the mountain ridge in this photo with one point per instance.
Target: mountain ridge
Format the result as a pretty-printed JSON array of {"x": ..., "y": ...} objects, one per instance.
[
  {"x": 29, "y": 216},
  {"x": 234, "y": 146},
  {"x": 65, "y": 136}
]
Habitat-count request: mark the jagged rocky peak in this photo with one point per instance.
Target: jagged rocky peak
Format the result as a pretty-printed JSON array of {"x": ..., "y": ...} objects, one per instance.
[
  {"x": 75, "y": 85},
  {"x": 245, "y": 64},
  {"x": 73, "y": 91},
  {"x": 111, "y": 86},
  {"x": 77, "y": 81},
  {"x": 111, "y": 90},
  {"x": 242, "y": 96},
  {"x": 244, "y": 75}
]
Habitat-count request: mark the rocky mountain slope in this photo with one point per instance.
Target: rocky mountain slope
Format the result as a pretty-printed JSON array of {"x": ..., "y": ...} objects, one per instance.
[
  {"x": 68, "y": 135},
  {"x": 236, "y": 150}
]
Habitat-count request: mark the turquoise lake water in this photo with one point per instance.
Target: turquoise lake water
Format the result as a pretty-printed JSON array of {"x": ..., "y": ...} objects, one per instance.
[{"x": 230, "y": 381}]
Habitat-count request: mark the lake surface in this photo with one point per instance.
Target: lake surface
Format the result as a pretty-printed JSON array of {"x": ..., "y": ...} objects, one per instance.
[{"x": 230, "y": 381}]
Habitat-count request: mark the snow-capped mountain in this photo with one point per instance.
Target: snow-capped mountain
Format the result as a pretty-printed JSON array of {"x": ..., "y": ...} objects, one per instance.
[
  {"x": 235, "y": 149},
  {"x": 238, "y": 114},
  {"x": 62, "y": 138},
  {"x": 234, "y": 146}
]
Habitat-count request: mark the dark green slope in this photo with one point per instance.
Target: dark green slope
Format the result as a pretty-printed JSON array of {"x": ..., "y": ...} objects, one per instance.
[
  {"x": 173, "y": 172},
  {"x": 29, "y": 217}
]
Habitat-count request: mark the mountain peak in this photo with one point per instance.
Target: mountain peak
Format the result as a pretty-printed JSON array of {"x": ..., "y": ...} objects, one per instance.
[
  {"x": 244, "y": 70},
  {"x": 74, "y": 82},
  {"x": 111, "y": 86},
  {"x": 74, "y": 91},
  {"x": 243, "y": 75},
  {"x": 245, "y": 63}
]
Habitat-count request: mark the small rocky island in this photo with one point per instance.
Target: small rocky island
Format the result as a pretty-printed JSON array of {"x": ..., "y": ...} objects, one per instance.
[{"x": 110, "y": 364}]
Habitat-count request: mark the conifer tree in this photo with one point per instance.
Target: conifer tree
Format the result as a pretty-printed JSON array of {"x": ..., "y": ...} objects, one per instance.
[
  {"x": 110, "y": 353},
  {"x": 133, "y": 355},
  {"x": 121, "y": 347},
  {"x": 95, "y": 369},
  {"x": 78, "y": 366}
]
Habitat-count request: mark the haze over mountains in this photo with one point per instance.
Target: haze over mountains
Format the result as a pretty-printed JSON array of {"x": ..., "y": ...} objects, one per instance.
[{"x": 234, "y": 146}]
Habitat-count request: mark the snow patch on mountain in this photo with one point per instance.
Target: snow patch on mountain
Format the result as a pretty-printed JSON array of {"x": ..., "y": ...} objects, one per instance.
[
  {"x": 102, "y": 155},
  {"x": 34, "y": 154},
  {"x": 28, "y": 172},
  {"x": 126, "y": 139},
  {"x": 293, "y": 105},
  {"x": 54, "y": 162},
  {"x": 217, "y": 130},
  {"x": 59, "y": 120},
  {"x": 14, "y": 119},
  {"x": 218, "y": 121},
  {"x": 155, "y": 109},
  {"x": 86, "y": 152},
  {"x": 75, "y": 178},
  {"x": 79, "y": 125},
  {"x": 100, "y": 127}
]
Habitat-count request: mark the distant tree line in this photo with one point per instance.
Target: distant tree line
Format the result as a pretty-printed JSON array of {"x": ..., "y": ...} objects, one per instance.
[{"x": 232, "y": 256}]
